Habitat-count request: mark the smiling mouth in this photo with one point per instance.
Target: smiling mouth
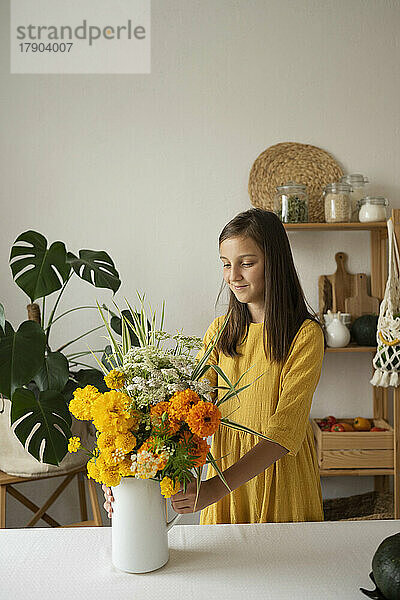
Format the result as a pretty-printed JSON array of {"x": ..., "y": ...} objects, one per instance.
[{"x": 240, "y": 287}]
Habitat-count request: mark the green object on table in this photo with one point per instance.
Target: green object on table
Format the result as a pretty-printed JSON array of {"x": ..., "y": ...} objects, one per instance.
[{"x": 386, "y": 567}]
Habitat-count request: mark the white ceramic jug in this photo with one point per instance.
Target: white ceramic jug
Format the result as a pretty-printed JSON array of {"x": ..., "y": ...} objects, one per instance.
[
  {"x": 139, "y": 527},
  {"x": 337, "y": 334}
]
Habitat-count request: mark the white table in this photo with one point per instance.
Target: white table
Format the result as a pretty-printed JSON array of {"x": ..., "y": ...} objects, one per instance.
[{"x": 290, "y": 561}]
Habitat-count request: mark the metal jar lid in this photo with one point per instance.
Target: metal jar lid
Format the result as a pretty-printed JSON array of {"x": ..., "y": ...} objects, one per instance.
[
  {"x": 377, "y": 200},
  {"x": 291, "y": 186},
  {"x": 355, "y": 179},
  {"x": 338, "y": 186}
]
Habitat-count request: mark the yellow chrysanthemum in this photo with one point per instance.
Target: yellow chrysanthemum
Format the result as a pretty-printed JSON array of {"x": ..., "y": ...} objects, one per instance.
[
  {"x": 204, "y": 418},
  {"x": 110, "y": 413},
  {"x": 74, "y": 443},
  {"x": 169, "y": 487},
  {"x": 125, "y": 467},
  {"x": 81, "y": 404},
  {"x": 110, "y": 477},
  {"x": 115, "y": 447},
  {"x": 93, "y": 470},
  {"x": 109, "y": 474},
  {"x": 106, "y": 441},
  {"x": 181, "y": 403},
  {"x": 125, "y": 441},
  {"x": 115, "y": 380}
]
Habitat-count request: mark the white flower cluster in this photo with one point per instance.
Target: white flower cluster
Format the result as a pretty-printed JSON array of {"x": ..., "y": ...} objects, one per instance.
[
  {"x": 153, "y": 374},
  {"x": 146, "y": 464}
]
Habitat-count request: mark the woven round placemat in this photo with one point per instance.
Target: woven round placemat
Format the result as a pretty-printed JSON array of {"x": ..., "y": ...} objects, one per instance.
[{"x": 291, "y": 161}]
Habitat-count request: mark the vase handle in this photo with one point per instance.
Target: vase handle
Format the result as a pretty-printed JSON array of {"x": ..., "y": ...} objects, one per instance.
[{"x": 173, "y": 521}]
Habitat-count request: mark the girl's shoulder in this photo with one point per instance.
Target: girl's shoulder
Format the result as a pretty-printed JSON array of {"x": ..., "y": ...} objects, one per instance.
[
  {"x": 215, "y": 325},
  {"x": 309, "y": 332}
]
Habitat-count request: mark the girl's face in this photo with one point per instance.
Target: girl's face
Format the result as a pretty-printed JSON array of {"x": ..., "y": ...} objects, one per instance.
[{"x": 243, "y": 268}]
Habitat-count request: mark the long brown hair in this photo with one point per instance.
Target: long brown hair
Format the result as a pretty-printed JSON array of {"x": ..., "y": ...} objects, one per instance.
[{"x": 285, "y": 306}]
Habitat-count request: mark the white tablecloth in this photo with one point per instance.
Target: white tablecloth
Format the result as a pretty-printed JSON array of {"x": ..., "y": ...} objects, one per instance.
[{"x": 289, "y": 561}]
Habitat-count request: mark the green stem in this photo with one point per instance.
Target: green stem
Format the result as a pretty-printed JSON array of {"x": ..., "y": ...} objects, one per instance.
[
  {"x": 78, "y": 338},
  {"x": 55, "y": 306},
  {"x": 80, "y": 354},
  {"x": 74, "y": 362},
  {"x": 43, "y": 309},
  {"x": 66, "y": 312}
]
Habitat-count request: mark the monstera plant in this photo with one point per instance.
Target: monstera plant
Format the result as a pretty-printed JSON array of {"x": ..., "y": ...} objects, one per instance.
[{"x": 38, "y": 379}]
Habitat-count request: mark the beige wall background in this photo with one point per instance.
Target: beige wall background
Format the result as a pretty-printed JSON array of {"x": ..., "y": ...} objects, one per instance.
[{"x": 150, "y": 167}]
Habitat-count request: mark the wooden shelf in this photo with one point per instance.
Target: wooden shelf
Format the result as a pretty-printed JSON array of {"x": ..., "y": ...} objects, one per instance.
[
  {"x": 333, "y": 472},
  {"x": 352, "y": 348},
  {"x": 336, "y": 226}
]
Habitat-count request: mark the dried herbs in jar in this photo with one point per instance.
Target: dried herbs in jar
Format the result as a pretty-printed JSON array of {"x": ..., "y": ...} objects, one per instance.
[{"x": 291, "y": 203}]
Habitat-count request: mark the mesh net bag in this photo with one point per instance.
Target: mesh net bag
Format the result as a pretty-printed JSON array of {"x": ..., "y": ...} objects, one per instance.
[{"x": 387, "y": 358}]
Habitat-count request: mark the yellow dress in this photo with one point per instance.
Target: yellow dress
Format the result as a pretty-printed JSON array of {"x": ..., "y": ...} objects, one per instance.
[{"x": 278, "y": 405}]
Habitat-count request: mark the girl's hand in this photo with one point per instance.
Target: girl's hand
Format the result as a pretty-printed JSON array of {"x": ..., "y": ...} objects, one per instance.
[
  {"x": 184, "y": 502},
  {"x": 109, "y": 499}
]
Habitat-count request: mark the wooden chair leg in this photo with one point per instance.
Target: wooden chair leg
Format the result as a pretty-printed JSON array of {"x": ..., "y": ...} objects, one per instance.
[
  {"x": 33, "y": 507},
  {"x": 38, "y": 515},
  {"x": 95, "y": 503},
  {"x": 3, "y": 490},
  {"x": 82, "y": 496}
]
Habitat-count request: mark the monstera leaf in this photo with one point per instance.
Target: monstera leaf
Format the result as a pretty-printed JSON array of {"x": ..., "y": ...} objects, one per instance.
[
  {"x": 21, "y": 355},
  {"x": 48, "y": 409},
  {"x": 54, "y": 373},
  {"x": 48, "y": 267},
  {"x": 95, "y": 267},
  {"x": 2, "y": 319}
]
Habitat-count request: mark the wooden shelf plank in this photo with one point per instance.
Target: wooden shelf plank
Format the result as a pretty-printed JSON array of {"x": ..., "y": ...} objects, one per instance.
[
  {"x": 339, "y": 472},
  {"x": 335, "y": 226},
  {"x": 352, "y": 348}
]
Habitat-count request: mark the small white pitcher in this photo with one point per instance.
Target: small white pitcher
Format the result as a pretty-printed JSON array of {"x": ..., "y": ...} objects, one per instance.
[{"x": 139, "y": 527}]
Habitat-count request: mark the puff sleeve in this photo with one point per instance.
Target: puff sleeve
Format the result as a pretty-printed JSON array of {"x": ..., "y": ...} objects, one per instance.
[{"x": 299, "y": 378}]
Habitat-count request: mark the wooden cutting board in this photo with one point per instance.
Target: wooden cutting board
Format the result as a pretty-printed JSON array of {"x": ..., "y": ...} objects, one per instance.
[
  {"x": 334, "y": 289},
  {"x": 360, "y": 303}
]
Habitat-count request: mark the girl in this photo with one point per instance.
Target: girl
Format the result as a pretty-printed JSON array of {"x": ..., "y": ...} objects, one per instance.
[{"x": 271, "y": 329}]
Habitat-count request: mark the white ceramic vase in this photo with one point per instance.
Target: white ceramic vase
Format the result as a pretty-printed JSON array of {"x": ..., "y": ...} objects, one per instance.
[
  {"x": 139, "y": 526},
  {"x": 337, "y": 334}
]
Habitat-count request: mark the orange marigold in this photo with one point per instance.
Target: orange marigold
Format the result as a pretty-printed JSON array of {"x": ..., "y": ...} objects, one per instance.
[
  {"x": 156, "y": 413},
  {"x": 199, "y": 447},
  {"x": 204, "y": 418},
  {"x": 181, "y": 403}
]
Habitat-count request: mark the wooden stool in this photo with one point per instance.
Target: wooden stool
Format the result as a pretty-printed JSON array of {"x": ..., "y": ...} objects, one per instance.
[{"x": 40, "y": 513}]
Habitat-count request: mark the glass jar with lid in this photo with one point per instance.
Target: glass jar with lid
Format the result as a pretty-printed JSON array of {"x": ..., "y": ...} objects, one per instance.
[
  {"x": 291, "y": 203},
  {"x": 372, "y": 208},
  {"x": 359, "y": 184},
  {"x": 337, "y": 204}
]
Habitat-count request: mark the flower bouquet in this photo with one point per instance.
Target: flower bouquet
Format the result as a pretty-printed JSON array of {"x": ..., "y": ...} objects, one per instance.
[{"x": 153, "y": 423}]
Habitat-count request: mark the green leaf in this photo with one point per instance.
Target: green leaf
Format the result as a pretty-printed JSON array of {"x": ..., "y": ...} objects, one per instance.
[
  {"x": 48, "y": 267},
  {"x": 239, "y": 427},
  {"x": 54, "y": 373},
  {"x": 84, "y": 377},
  {"x": 213, "y": 462},
  {"x": 96, "y": 267},
  {"x": 116, "y": 325},
  {"x": 109, "y": 360},
  {"x": 48, "y": 409},
  {"x": 21, "y": 355},
  {"x": 2, "y": 318}
]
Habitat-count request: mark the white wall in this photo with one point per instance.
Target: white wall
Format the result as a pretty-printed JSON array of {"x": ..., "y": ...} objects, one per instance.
[{"x": 150, "y": 167}]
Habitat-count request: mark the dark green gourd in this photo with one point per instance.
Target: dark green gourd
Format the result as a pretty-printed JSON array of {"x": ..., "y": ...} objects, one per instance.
[
  {"x": 386, "y": 567},
  {"x": 364, "y": 330}
]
